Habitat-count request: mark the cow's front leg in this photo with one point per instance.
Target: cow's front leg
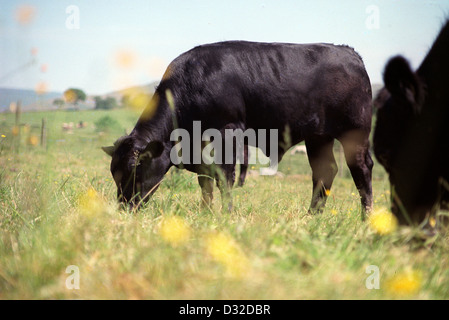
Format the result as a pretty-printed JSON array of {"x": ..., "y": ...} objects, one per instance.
[
  {"x": 324, "y": 170},
  {"x": 207, "y": 190},
  {"x": 225, "y": 180}
]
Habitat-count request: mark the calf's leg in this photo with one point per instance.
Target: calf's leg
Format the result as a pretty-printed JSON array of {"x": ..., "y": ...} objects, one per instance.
[
  {"x": 225, "y": 180},
  {"x": 207, "y": 190},
  {"x": 358, "y": 159},
  {"x": 324, "y": 170}
]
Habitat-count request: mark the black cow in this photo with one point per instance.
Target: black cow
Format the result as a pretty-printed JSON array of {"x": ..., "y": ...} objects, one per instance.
[
  {"x": 313, "y": 92},
  {"x": 411, "y": 137}
]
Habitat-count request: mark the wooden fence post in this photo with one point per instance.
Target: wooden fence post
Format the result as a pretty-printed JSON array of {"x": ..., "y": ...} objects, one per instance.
[
  {"x": 43, "y": 133},
  {"x": 17, "y": 127},
  {"x": 18, "y": 113}
]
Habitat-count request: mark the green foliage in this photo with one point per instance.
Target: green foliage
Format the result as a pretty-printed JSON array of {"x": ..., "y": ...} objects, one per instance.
[
  {"x": 74, "y": 95},
  {"x": 107, "y": 124},
  {"x": 106, "y": 103},
  {"x": 59, "y": 103}
]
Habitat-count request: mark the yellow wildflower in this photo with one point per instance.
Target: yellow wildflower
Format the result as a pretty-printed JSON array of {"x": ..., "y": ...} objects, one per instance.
[
  {"x": 91, "y": 203},
  {"x": 405, "y": 283},
  {"x": 15, "y": 130},
  {"x": 140, "y": 101},
  {"x": 25, "y": 14},
  {"x": 383, "y": 222},
  {"x": 432, "y": 222},
  {"x": 33, "y": 140},
  {"x": 41, "y": 88},
  {"x": 70, "y": 96},
  {"x": 225, "y": 250},
  {"x": 174, "y": 230},
  {"x": 125, "y": 58}
]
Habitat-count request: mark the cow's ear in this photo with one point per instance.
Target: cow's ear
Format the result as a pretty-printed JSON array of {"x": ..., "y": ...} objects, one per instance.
[
  {"x": 153, "y": 149},
  {"x": 109, "y": 150},
  {"x": 402, "y": 82}
]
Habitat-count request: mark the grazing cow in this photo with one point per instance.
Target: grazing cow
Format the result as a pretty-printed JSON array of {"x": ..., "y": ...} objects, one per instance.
[
  {"x": 411, "y": 139},
  {"x": 314, "y": 92},
  {"x": 67, "y": 126}
]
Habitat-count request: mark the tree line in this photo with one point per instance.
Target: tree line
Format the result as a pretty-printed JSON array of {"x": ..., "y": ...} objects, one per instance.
[{"x": 73, "y": 96}]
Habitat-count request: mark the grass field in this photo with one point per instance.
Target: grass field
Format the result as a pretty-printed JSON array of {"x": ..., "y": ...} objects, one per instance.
[{"x": 61, "y": 229}]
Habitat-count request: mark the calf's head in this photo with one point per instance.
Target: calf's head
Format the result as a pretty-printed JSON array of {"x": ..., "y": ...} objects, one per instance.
[
  {"x": 136, "y": 168},
  {"x": 396, "y": 136}
]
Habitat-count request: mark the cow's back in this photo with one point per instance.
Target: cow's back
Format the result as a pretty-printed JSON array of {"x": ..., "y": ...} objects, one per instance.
[{"x": 311, "y": 88}]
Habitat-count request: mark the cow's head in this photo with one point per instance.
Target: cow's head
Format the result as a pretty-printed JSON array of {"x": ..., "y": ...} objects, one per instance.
[
  {"x": 137, "y": 168},
  {"x": 394, "y": 136}
]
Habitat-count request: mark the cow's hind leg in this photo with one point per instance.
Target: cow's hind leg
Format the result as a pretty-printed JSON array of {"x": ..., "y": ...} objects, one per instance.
[
  {"x": 324, "y": 170},
  {"x": 358, "y": 158}
]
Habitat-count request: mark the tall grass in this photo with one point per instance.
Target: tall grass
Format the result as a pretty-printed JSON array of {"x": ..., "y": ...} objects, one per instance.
[{"x": 58, "y": 209}]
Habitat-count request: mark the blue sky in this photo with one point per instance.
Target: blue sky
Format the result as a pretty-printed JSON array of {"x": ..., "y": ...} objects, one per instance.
[{"x": 124, "y": 43}]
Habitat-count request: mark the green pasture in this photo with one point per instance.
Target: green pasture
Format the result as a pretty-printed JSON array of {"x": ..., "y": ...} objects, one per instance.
[{"x": 62, "y": 235}]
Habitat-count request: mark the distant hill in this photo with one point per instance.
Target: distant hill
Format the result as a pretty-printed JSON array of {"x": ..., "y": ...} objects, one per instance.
[
  {"x": 119, "y": 94},
  {"x": 29, "y": 99}
]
